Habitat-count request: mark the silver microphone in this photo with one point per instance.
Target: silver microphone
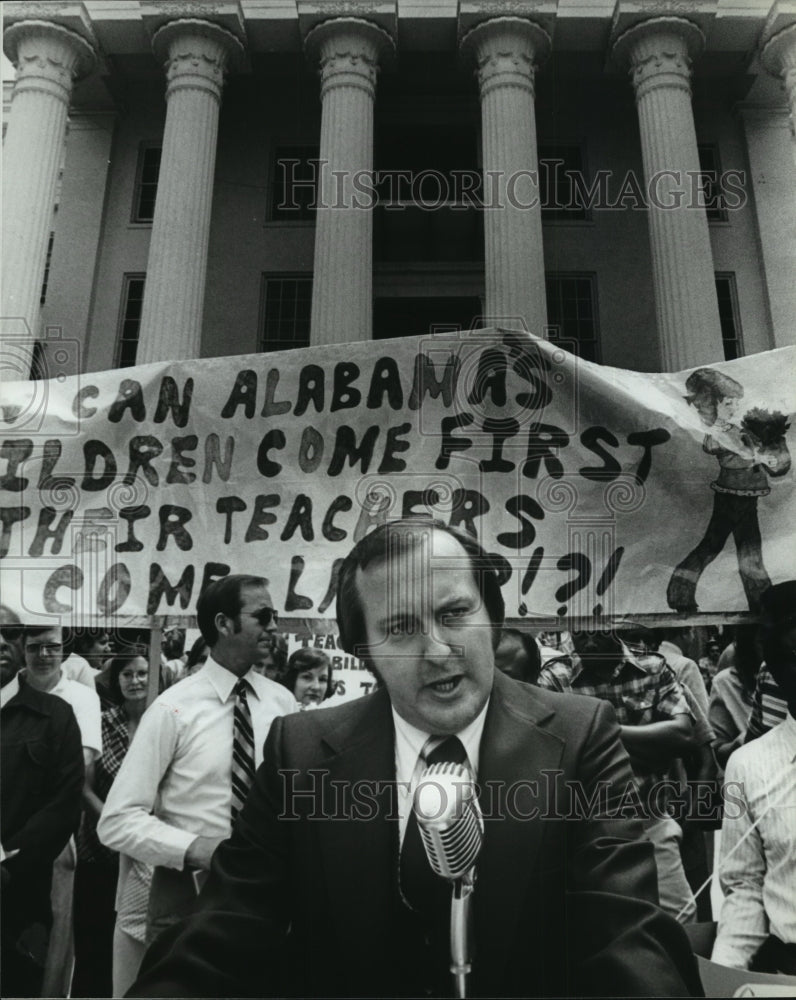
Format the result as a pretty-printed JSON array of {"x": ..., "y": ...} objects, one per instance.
[
  {"x": 449, "y": 819},
  {"x": 452, "y": 829}
]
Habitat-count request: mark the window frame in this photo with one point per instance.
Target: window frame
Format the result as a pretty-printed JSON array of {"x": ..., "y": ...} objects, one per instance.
[
  {"x": 269, "y": 276},
  {"x": 143, "y": 148},
  {"x": 729, "y": 277},
  {"x": 127, "y": 279},
  {"x": 591, "y": 277}
]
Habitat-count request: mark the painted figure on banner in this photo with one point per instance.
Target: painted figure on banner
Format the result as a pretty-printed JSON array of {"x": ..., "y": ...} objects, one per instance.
[{"x": 748, "y": 453}]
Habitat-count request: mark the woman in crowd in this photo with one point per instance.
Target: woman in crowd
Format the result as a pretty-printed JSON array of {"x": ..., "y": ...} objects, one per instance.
[
  {"x": 309, "y": 677},
  {"x": 98, "y": 868},
  {"x": 732, "y": 691}
]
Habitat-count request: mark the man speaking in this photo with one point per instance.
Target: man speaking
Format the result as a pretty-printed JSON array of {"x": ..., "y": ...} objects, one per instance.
[{"x": 324, "y": 851}]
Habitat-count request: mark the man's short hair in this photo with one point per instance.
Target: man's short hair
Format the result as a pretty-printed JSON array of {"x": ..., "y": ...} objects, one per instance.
[
  {"x": 31, "y": 631},
  {"x": 223, "y": 597},
  {"x": 396, "y": 538}
]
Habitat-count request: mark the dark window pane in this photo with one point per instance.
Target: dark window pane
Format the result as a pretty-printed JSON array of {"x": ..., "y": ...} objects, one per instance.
[
  {"x": 146, "y": 184},
  {"x": 571, "y": 311},
  {"x": 286, "y": 313},
  {"x": 133, "y": 296}
]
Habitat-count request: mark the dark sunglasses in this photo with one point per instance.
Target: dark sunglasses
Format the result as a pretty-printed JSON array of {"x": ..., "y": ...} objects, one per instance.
[{"x": 265, "y": 616}]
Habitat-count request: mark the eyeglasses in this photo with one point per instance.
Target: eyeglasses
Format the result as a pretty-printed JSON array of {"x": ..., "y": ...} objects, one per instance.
[
  {"x": 265, "y": 616},
  {"x": 43, "y": 648}
]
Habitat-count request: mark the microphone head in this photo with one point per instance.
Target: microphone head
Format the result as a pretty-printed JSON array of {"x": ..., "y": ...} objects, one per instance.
[{"x": 449, "y": 819}]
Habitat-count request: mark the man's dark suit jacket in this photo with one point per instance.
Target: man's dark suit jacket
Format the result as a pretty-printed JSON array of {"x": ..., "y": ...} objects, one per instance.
[{"x": 562, "y": 906}]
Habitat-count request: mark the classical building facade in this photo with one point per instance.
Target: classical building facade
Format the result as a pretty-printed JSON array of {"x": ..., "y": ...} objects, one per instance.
[{"x": 212, "y": 178}]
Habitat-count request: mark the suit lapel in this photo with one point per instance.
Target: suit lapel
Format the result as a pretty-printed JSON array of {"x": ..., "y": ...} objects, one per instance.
[
  {"x": 360, "y": 849},
  {"x": 515, "y": 751}
]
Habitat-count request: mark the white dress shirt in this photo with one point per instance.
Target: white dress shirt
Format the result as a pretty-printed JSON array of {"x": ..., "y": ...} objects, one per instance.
[
  {"x": 757, "y": 868},
  {"x": 175, "y": 783},
  {"x": 409, "y": 764}
]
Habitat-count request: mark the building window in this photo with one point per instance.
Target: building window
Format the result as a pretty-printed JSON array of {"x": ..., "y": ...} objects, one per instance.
[
  {"x": 729, "y": 318},
  {"x": 294, "y": 184},
  {"x": 572, "y": 313},
  {"x": 146, "y": 183},
  {"x": 47, "y": 261},
  {"x": 286, "y": 304},
  {"x": 562, "y": 183},
  {"x": 130, "y": 320},
  {"x": 710, "y": 172}
]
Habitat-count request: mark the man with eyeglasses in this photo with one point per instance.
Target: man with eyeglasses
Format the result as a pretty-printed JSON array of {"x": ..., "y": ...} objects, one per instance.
[
  {"x": 43, "y": 651},
  {"x": 40, "y": 793},
  {"x": 195, "y": 751}
]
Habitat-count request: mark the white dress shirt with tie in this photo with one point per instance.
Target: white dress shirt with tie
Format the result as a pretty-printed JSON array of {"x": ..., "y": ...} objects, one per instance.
[
  {"x": 757, "y": 868},
  {"x": 175, "y": 782},
  {"x": 409, "y": 764}
]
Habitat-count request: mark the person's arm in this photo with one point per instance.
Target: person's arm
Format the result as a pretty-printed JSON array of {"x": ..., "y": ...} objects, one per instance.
[
  {"x": 92, "y": 803},
  {"x": 728, "y": 736},
  {"x": 743, "y": 925},
  {"x": 660, "y": 740},
  {"x": 43, "y": 837},
  {"x": 626, "y": 945},
  {"x": 245, "y": 905},
  {"x": 127, "y": 824}
]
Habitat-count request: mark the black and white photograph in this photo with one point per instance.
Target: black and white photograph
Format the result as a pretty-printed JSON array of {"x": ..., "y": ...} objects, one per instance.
[{"x": 397, "y": 506}]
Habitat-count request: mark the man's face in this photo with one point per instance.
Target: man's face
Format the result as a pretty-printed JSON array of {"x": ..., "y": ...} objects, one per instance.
[
  {"x": 43, "y": 655},
  {"x": 597, "y": 649},
  {"x": 250, "y": 638},
  {"x": 173, "y": 642},
  {"x": 99, "y": 651},
  {"x": 11, "y": 656},
  {"x": 429, "y": 633},
  {"x": 512, "y": 659}
]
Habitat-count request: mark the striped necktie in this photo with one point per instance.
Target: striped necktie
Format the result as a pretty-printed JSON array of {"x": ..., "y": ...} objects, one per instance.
[{"x": 242, "y": 748}]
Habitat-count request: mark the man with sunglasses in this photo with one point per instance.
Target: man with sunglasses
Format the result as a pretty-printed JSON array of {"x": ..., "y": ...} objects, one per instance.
[{"x": 195, "y": 750}]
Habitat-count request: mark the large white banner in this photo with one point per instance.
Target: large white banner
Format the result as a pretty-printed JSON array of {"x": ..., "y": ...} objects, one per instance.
[{"x": 599, "y": 490}]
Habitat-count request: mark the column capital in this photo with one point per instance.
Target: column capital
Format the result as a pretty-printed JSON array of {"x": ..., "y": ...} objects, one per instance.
[
  {"x": 196, "y": 54},
  {"x": 506, "y": 51},
  {"x": 659, "y": 53},
  {"x": 348, "y": 51},
  {"x": 778, "y": 55},
  {"x": 47, "y": 57}
]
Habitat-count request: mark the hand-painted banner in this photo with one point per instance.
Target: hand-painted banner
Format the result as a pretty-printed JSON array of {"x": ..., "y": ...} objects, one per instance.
[{"x": 598, "y": 489}]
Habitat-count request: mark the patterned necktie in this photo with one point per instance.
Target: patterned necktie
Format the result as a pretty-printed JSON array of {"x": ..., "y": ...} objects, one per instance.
[
  {"x": 422, "y": 889},
  {"x": 242, "y": 749}
]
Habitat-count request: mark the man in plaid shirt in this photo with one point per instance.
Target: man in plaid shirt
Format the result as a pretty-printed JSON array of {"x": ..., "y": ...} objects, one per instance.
[{"x": 656, "y": 727}]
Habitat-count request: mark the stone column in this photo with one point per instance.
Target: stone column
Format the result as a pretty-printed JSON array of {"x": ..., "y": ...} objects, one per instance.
[
  {"x": 506, "y": 50},
  {"x": 779, "y": 57},
  {"x": 48, "y": 59},
  {"x": 348, "y": 50},
  {"x": 196, "y": 55},
  {"x": 659, "y": 52}
]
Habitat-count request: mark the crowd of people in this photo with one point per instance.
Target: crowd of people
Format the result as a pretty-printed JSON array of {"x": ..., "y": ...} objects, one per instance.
[{"x": 112, "y": 811}]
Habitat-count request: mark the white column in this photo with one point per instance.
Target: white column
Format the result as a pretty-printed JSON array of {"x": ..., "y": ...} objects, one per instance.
[
  {"x": 48, "y": 59},
  {"x": 506, "y": 50},
  {"x": 772, "y": 178},
  {"x": 342, "y": 292},
  {"x": 779, "y": 57},
  {"x": 196, "y": 55},
  {"x": 659, "y": 52}
]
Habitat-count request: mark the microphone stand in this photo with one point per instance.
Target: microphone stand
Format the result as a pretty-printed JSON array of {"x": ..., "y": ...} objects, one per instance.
[{"x": 461, "y": 963}]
